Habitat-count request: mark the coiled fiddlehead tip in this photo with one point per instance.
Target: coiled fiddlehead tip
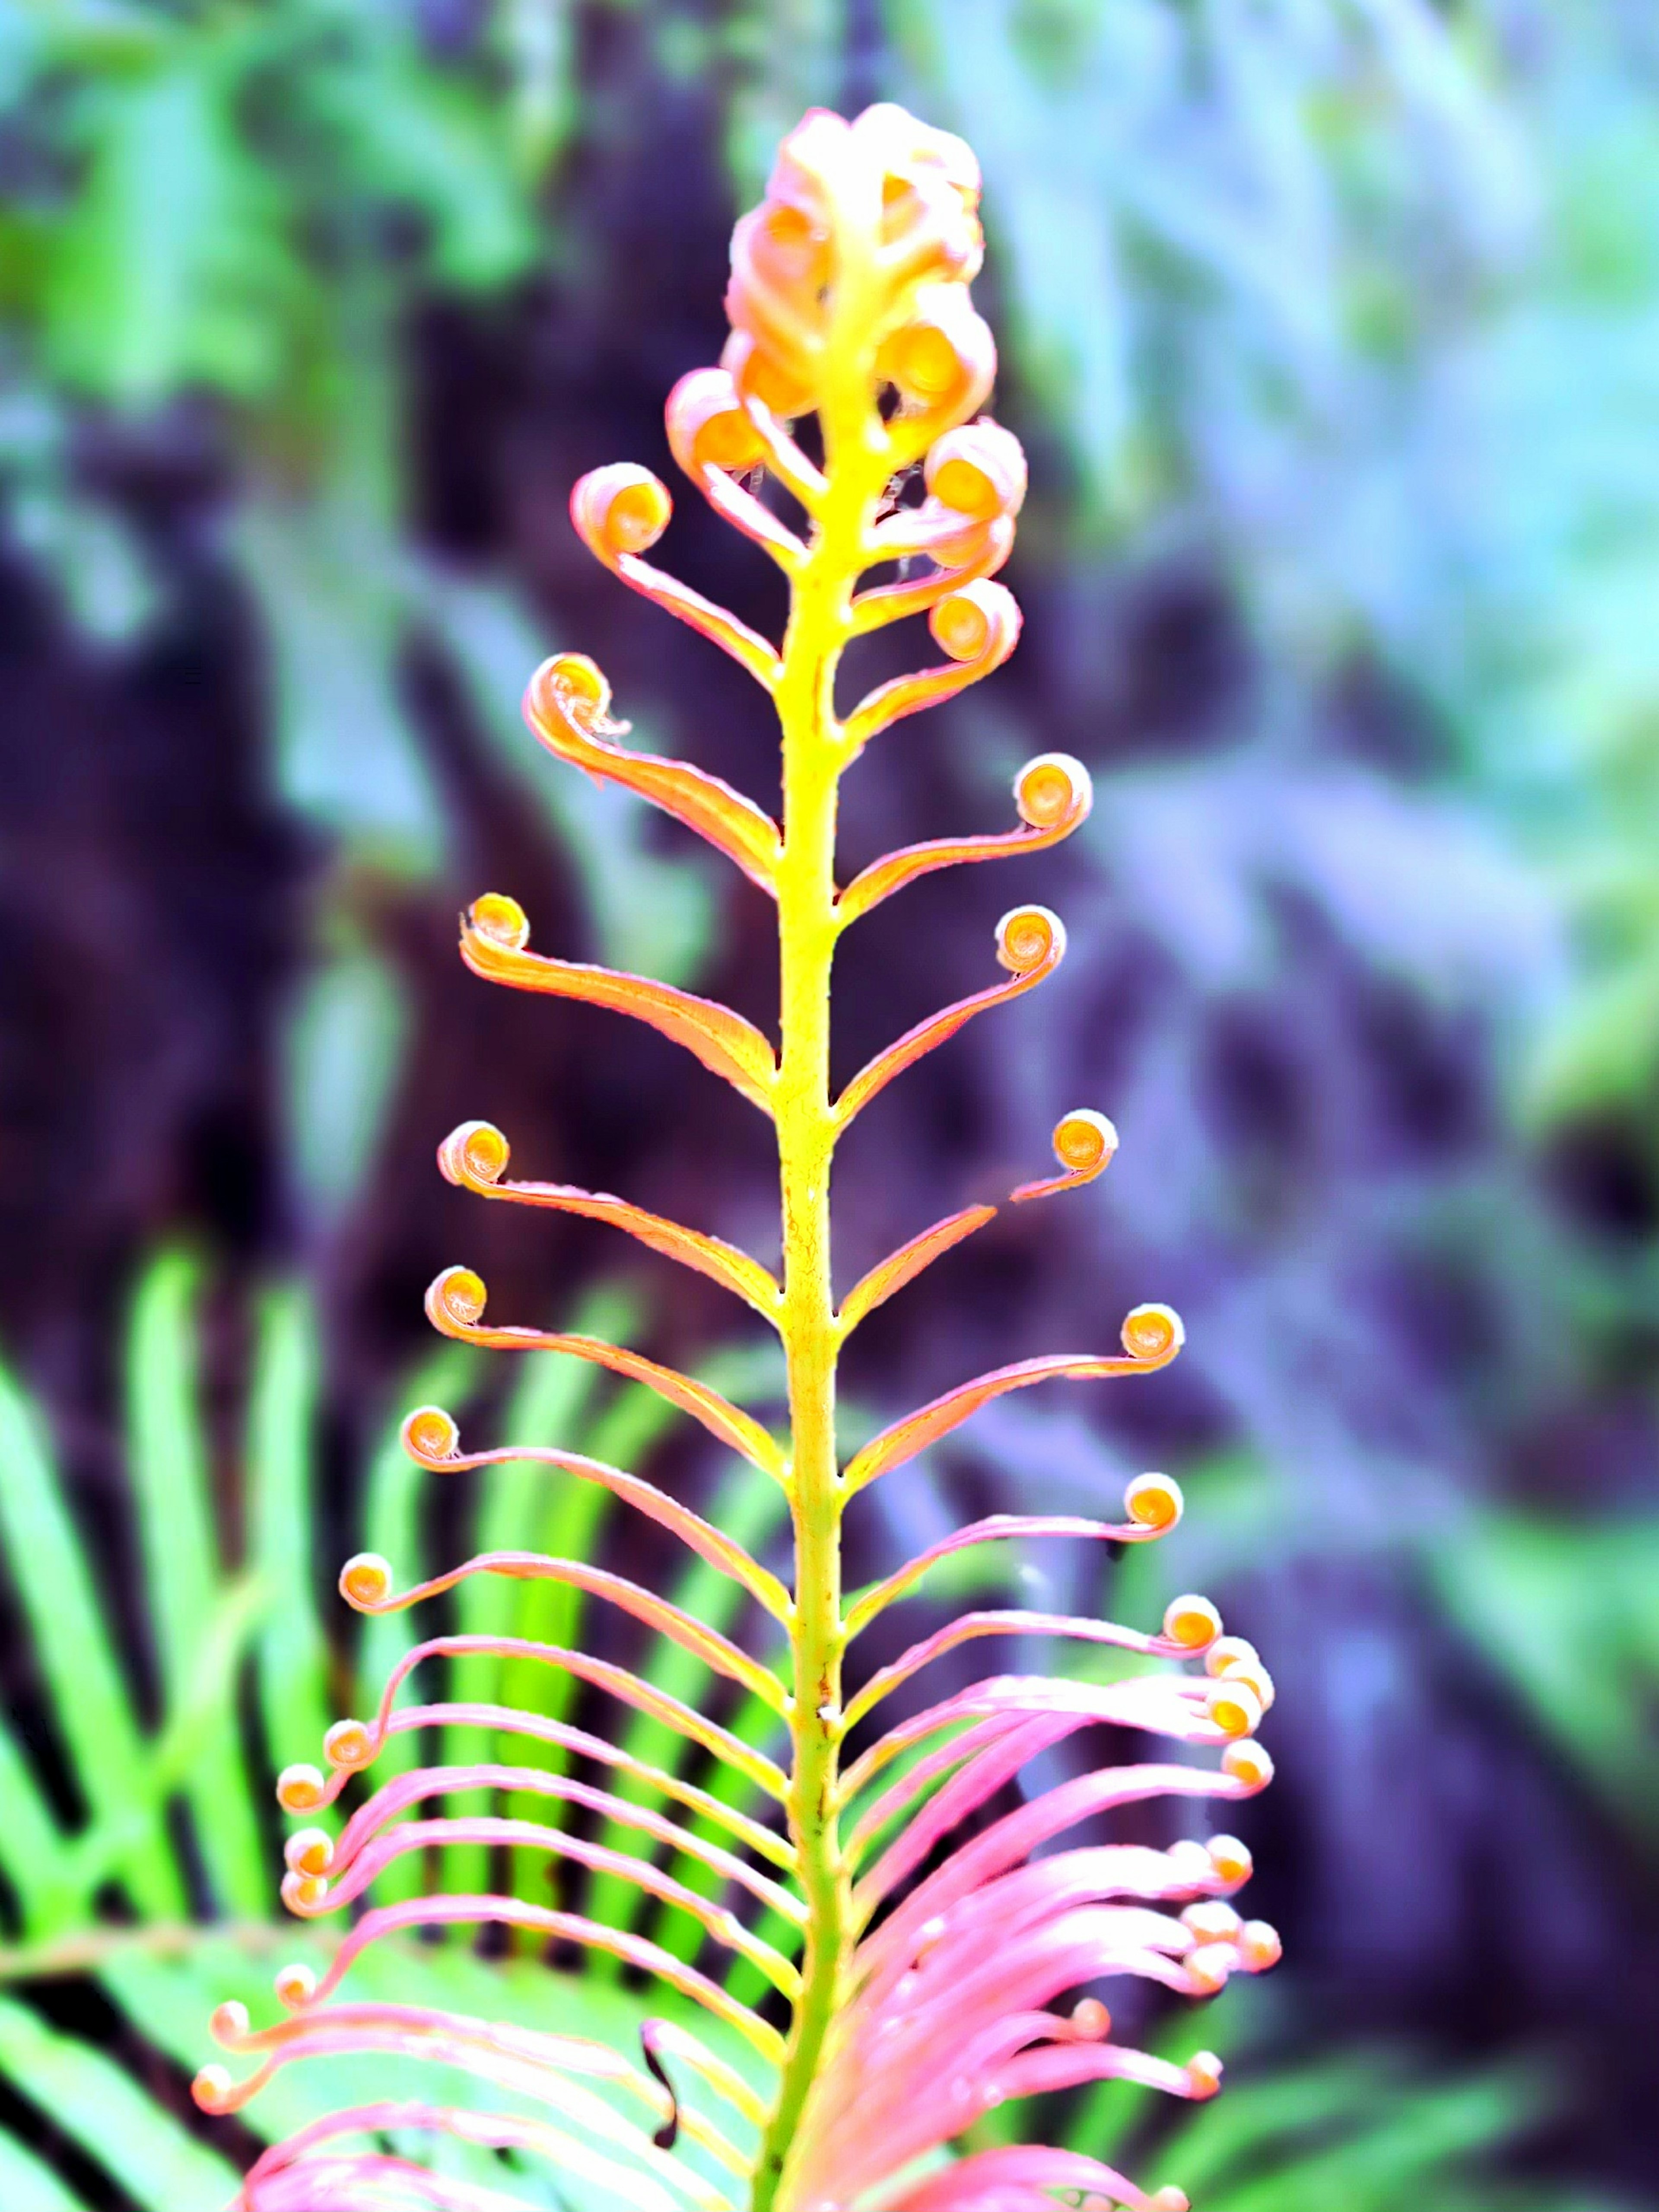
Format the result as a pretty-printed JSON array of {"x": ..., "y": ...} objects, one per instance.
[
  {"x": 500, "y": 919},
  {"x": 1028, "y": 936},
  {"x": 620, "y": 509},
  {"x": 300, "y": 1789},
  {"x": 459, "y": 1295},
  {"x": 309, "y": 1851},
  {"x": 229, "y": 2023},
  {"x": 348, "y": 1744},
  {"x": 708, "y": 427},
  {"x": 942, "y": 361},
  {"x": 294, "y": 1986},
  {"x": 1248, "y": 1765},
  {"x": 1259, "y": 1947},
  {"x": 1083, "y": 1141},
  {"x": 1203, "y": 2074},
  {"x": 303, "y": 1892},
  {"x": 477, "y": 1151},
  {"x": 1152, "y": 1332},
  {"x": 1212, "y": 1920},
  {"x": 1089, "y": 2022},
  {"x": 1191, "y": 1622},
  {"x": 1155, "y": 1501},
  {"x": 757, "y": 374},
  {"x": 365, "y": 1582},
  {"x": 980, "y": 622},
  {"x": 213, "y": 2087},
  {"x": 1233, "y": 1707},
  {"x": 1169, "y": 2199},
  {"x": 574, "y": 687},
  {"x": 1053, "y": 792},
  {"x": 1236, "y": 1660},
  {"x": 1230, "y": 1859},
  {"x": 430, "y": 1435},
  {"x": 977, "y": 470}
]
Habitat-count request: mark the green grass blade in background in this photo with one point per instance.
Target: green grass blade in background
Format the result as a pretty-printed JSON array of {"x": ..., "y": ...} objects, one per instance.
[
  {"x": 77, "y": 1659},
  {"x": 183, "y": 1570},
  {"x": 281, "y": 1445},
  {"x": 112, "y": 2117},
  {"x": 31, "y": 1841},
  {"x": 27, "y": 2185}
]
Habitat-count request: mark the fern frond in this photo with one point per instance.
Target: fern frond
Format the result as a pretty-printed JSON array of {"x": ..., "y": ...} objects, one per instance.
[{"x": 890, "y": 1980}]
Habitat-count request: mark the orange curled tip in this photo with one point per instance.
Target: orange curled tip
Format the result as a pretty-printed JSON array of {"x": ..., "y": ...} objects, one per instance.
[
  {"x": 1210, "y": 1965},
  {"x": 213, "y": 2089},
  {"x": 1089, "y": 2022},
  {"x": 760, "y": 375},
  {"x": 1235, "y": 1660},
  {"x": 709, "y": 427},
  {"x": 977, "y": 470},
  {"x": 348, "y": 1744},
  {"x": 229, "y": 2023},
  {"x": 1230, "y": 1858},
  {"x": 942, "y": 362},
  {"x": 1212, "y": 1920},
  {"x": 1154, "y": 1501},
  {"x": 455, "y": 1301},
  {"x": 1029, "y": 938},
  {"x": 1259, "y": 1947},
  {"x": 294, "y": 1985},
  {"x": 1191, "y": 1622},
  {"x": 308, "y": 1851},
  {"x": 1203, "y": 2074},
  {"x": 979, "y": 624},
  {"x": 499, "y": 920},
  {"x": 475, "y": 1153},
  {"x": 300, "y": 1789},
  {"x": 430, "y": 1436},
  {"x": 1054, "y": 792},
  {"x": 1248, "y": 1765},
  {"x": 1154, "y": 1332},
  {"x": 1084, "y": 1142},
  {"x": 365, "y": 1582},
  {"x": 1233, "y": 1707},
  {"x": 304, "y": 1892},
  {"x": 619, "y": 510},
  {"x": 1169, "y": 2199},
  {"x": 576, "y": 688}
]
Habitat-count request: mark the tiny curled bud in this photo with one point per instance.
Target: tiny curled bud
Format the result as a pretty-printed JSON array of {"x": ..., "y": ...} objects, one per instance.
[
  {"x": 501, "y": 919},
  {"x": 1027, "y": 936},
  {"x": 758, "y": 374},
  {"x": 1210, "y": 1965},
  {"x": 1204, "y": 2074},
  {"x": 977, "y": 470},
  {"x": 1085, "y": 1142},
  {"x": 213, "y": 2088},
  {"x": 1091, "y": 2021},
  {"x": 1150, "y": 1331},
  {"x": 1235, "y": 1710},
  {"x": 1259, "y": 1947},
  {"x": 1169, "y": 2199},
  {"x": 1192, "y": 1622},
  {"x": 309, "y": 1851},
  {"x": 577, "y": 684},
  {"x": 620, "y": 509},
  {"x": 475, "y": 1153},
  {"x": 980, "y": 622},
  {"x": 1213, "y": 1921},
  {"x": 1231, "y": 1859},
  {"x": 945, "y": 360},
  {"x": 1248, "y": 1764},
  {"x": 1154, "y": 1501},
  {"x": 1052, "y": 789},
  {"x": 303, "y": 1892},
  {"x": 294, "y": 1985},
  {"x": 1190, "y": 1864},
  {"x": 229, "y": 2023},
  {"x": 366, "y": 1579},
  {"x": 708, "y": 425},
  {"x": 430, "y": 1433},
  {"x": 348, "y": 1744},
  {"x": 461, "y": 1294},
  {"x": 300, "y": 1789}
]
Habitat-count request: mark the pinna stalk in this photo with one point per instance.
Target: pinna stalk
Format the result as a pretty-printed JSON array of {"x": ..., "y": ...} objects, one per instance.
[{"x": 907, "y": 1979}]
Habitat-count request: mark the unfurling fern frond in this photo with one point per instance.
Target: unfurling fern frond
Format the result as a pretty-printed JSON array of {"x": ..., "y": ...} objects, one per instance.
[{"x": 885, "y": 1981}]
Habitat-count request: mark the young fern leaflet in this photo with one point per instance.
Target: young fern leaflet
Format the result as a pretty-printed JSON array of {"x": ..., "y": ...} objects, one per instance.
[{"x": 905, "y": 1982}]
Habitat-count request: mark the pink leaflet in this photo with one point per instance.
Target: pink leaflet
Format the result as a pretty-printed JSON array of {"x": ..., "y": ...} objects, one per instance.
[
  {"x": 968, "y": 1627},
  {"x": 977, "y": 1751},
  {"x": 725, "y": 819},
  {"x": 727, "y": 1422},
  {"x": 903, "y": 1266},
  {"x": 891, "y": 702},
  {"x": 381, "y": 1920},
  {"x": 994, "y": 1529},
  {"x": 1016, "y": 2178},
  {"x": 721, "y": 1551},
  {"x": 372, "y": 1859},
  {"x": 725, "y": 1044},
  {"x": 928, "y": 1035},
  {"x": 680, "y": 1627},
  {"x": 905, "y": 1438}
]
